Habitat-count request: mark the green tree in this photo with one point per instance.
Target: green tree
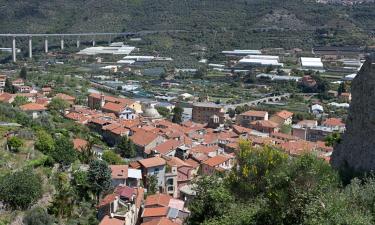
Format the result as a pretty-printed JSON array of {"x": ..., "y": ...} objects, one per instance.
[
  {"x": 99, "y": 177},
  {"x": 163, "y": 111},
  {"x": 9, "y": 87},
  {"x": 64, "y": 152},
  {"x": 212, "y": 199},
  {"x": 58, "y": 104},
  {"x": 152, "y": 184},
  {"x": 112, "y": 158},
  {"x": 38, "y": 216},
  {"x": 15, "y": 143},
  {"x": 232, "y": 113},
  {"x": 177, "y": 114},
  {"x": 201, "y": 72},
  {"x": 20, "y": 189},
  {"x": 63, "y": 201},
  {"x": 286, "y": 129},
  {"x": 20, "y": 100},
  {"x": 45, "y": 142},
  {"x": 126, "y": 148},
  {"x": 332, "y": 139},
  {"x": 81, "y": 184},
  {"x": 23, "y": 73}
]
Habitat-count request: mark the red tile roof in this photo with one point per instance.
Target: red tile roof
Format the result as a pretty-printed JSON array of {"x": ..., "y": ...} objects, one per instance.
[
  {"x": 265, "y": 123},
  {"x": 33, "y": 107},
  {"x": 298, "y": 147},
  {"x": 119, "y": 171},
  {"x": 155, "y": 212},
  {"x": 167, "y": 146},
  {"x": 65, "y": 97},
  {"x": 217, "y": 160},
  {"x": 113, "y": 107},
  {"x": 125, "y": 191},
  {"x": 111, "y": 221},
  {"x": 157, "y": 199},
  {"x": 284, "y": 114},
  {"x": 107, "y": 200},
  {"x": 160, "y": 221},
  {"x": 152, "y": 162},
  {"x": 255, "y": 113},
  {"x": 142, "y": 137},
  {"x": 333, "y": 122}
]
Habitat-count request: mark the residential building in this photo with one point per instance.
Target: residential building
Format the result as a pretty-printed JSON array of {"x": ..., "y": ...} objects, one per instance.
[
  {"x": 244, "y": 119},
  {"x": 65, "y": 97},
  {"x": 154, "y": 167},
  {"x": 33, "y": 109},
  {"x": 145, "y": 141},
  {"x": 97, "y": 101},
  {"x": 334, "y": 123},
  {"x": 217, "y": 163},
  {"x": 265, "y": 126},
  {"x": 282, "y": 118},
  {"x": 123, "y": 175},
  {"x": 18, "y": 82},
  {"x": 203, "y": 111}
]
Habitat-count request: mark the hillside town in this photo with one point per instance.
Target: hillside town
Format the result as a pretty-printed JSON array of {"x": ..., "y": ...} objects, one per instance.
[{"x": 157, "y": 148}]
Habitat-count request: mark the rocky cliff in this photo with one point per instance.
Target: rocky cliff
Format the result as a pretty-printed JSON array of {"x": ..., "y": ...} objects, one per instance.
[{"x": 357, "y": 147}]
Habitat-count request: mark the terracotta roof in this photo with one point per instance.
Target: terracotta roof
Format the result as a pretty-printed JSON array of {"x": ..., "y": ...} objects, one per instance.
[
  {"x": 284, "y": 136},
  {"x": 6, "y": 97},
  {"x": 33, "y": 107},
  {"x": 65, "y": 97},
  {"x": 167, "y": 146},
  {"x": 155, "y": 212},
  {"x": 160, "y": 221},
  {"x": 142, "y": 137},
  {"x": 265, "y": 123},
  {"x": 204, "y": 149},
  {"x": 79, "y": 144},
  {"x": 298, "y": 147},
  {"x": 111, "y": 221},
  {"x": 135, "y": 165},
  {"x": 255, "y": 113},
  {"x": 107, "y": 199},
  {"x": 157, "y": 199},
  {"x": 174, "y": 161},
  {"x": 284, "y": 114},
  {"x": 192, "y": 163},
  {"x": 152, "y": 162},
  {"x": 107, "y": 98},
  {"x": 217, "y": 160},
  {"x": 119, "y": 171},
  {"x": 125, "y": 191},
  {"x": 332, "y": 122},
  {"x": 113, "y": 107}
]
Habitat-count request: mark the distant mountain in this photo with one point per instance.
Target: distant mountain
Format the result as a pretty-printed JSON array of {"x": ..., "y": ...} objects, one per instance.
[{"x": 215, "y": 24}]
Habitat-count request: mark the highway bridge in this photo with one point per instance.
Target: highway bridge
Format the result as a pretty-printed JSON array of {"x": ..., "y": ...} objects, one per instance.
[{"x": 77, "y": 36}]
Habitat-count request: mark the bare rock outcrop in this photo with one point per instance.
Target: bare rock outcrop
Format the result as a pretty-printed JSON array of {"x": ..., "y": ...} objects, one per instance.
[{"x": 356, "y": 151}]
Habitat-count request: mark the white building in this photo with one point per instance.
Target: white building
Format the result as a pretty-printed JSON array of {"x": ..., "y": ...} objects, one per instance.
[
  {"x": 309, "y": 63},
  {"x": 238, "y": 52}
]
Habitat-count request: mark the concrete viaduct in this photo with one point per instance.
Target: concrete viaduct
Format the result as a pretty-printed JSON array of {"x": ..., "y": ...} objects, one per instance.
[
  {"x": 276, "y": 98},
  {"x": 77, "y": 36}
]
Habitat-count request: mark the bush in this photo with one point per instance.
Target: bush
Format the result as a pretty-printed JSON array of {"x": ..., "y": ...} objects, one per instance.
[{"x": 38, "y": 216}]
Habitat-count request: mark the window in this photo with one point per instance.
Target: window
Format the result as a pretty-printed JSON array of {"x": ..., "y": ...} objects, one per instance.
[{"x": 156, "y": 171}]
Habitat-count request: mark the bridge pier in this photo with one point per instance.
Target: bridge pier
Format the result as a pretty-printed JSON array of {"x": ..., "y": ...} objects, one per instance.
[
  {"x": 93, "y": 43},
  {"x": 62, "y": 44},
  {"x": 30, "y": 48},
  {"x": 14, "y": 50},
  {"x": 46, "y": 45},
  {"x": 78, "y": 43}
]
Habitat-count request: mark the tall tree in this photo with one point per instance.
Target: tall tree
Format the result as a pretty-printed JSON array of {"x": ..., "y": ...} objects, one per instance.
[
  {"x": 9, "y": 87},
  {"x": 177, "y": 114},
  {"x": 23, "y": 73},
  {"x": 112, "y": 158},
  {"x": 99, "y": 177},
  {"x": 126, "y": 148},
  {"x": 64, "y": 152}
]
